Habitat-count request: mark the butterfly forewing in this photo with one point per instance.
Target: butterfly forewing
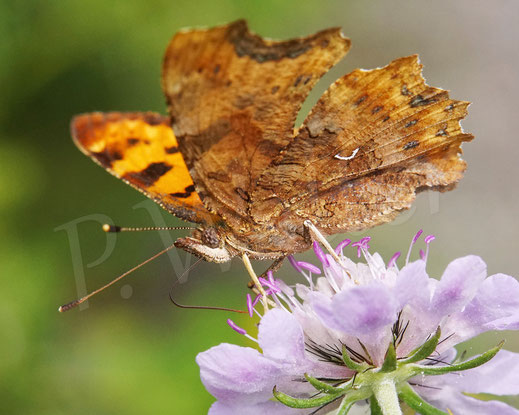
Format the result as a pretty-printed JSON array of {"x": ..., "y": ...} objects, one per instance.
[
  {"x": 234, "y": 98},
  {"x": 141, "y": 149}
]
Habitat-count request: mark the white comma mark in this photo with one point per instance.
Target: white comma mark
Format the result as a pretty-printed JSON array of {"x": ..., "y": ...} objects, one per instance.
[{"x": 337, "y": 156}]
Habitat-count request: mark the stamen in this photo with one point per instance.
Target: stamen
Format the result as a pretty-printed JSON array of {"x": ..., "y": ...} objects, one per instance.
[
  {"x": 394, "y": 258},
  {"x": 341, "y": 246},
  {"x": 413, "y": 241},
  {"x": 309, "y": 267},
  {"x": 256, "y": 300},
  {"x": 320, "y": 254},
  {"x": 276, "y": 297},
  {"x": 293, "y": 262},
  {"x": 330, "y": 274},
  {"x": 235, "y": 327},
  {"x": 429, "y": 238},
  {"x": 272, "y": 285},
  {"x": 250, "y": 307},
  {"x": 422, "y": 254},
  {"x": 361, "y": 245},
  {"x": 239, "y": 330},
  {"x": 270, "y": 274}
]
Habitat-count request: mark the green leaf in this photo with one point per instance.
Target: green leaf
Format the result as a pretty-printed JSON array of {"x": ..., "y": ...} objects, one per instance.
[
  {"x": 390, "y": 361},
  {"x": 323, "y": 386},
  {"x": 304, "y": 403},
  {"x": 425, "y": 350},
  {"x": 375, "y": 408},
  {"x": 414, "y": 401},
  {"x": 469, "y": 364},
  {"x": 350, "y": 364}
]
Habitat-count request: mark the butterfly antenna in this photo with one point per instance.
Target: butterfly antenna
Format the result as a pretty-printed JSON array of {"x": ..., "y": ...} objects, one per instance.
[
  {"x": 197, "y": 307},
  {"x": 204, "y": 307},
  {"x": 115, "y": 228},
  {"x": 75, "y": 303}
]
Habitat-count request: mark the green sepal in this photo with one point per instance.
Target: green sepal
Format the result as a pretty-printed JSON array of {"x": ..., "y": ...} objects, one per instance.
[
  {"x": 323, "y": 386},
  {"x": 374, "y": 406},
  {"x": 425, "y": 350},
  {"x": 345, "y": 406},
  {"x": 350, "y": 364},
  {"x": 414, "y": 401},
  {"x": 304, "y": 403},
  {"x": 390, "y": 361},
  {"x": 469, "y": 364}
]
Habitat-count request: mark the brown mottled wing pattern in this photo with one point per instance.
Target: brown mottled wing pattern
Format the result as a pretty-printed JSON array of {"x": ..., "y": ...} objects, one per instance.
[
  {"x": 233, "y": 98},
  {"x": 141, "y": 149},
  {"x": 372, "y": 141}
]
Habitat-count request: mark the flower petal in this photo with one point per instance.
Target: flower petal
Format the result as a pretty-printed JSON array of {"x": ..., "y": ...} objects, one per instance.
[
  {"x": 231, "y": 372},
  {"x": 281, "y": 337},
  {"x": 459, "y": 284},
  {"x": 499, "y": 376},
  {"x": 446, "y": 397},
  {"x": 495, "y": 307},
  {"x": 412, "y": 286},
  {"x": 268, "y": 407},
  {"x": 359, "y": 311}
]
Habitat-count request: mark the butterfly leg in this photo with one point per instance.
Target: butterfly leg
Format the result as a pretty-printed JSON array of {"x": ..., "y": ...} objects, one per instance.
[
  {"x": 255, "y": 279},
  {"x": 316, "y": 235}
]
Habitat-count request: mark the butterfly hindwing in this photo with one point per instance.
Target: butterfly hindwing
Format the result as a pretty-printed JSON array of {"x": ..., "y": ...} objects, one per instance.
[
  {"x": 141, "y": 149},
  {"x": 370, "y": 143}
]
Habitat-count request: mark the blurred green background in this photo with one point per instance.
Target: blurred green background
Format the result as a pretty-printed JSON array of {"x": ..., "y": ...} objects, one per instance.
[{"x": 130, "y": 351}]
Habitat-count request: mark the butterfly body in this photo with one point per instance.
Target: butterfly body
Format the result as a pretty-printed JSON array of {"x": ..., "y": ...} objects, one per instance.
[{"x": 228, "y": 157}]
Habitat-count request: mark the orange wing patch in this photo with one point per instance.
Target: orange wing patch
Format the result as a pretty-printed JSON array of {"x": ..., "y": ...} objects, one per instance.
[{"x": 141, "y": 149}]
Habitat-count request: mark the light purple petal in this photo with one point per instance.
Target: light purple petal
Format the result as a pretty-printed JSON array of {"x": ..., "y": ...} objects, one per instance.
[
  {"x": 444, "y": 397},
  {"x": 281, "y": 337},
  {"x": 499, "y": 298},
  {"x": 499, "y": 376},
  {"x": 359, "y": 311},
  {"x": 459, "y": 284},
  {"x": 412, "y": 286},
  {"x": 495, "y": 307},
  {"x": 231, "y": 372},
  {"x": 268, "y": 407}
]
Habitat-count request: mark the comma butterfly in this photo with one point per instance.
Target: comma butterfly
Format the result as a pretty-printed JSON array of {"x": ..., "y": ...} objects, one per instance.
[{"x": 228, "y": 158}]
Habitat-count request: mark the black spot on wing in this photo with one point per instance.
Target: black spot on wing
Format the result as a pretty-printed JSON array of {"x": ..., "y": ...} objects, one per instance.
[
  {"x": 411, "y": 144},
  {"x": 172, "y": 150},
  {"x": 150, "y": 174},
  {"x": 420, "y": 101},
  {"x": 107, "y": 156},
  {"x": 248, "y": 44},
  {"x": 360, "y": 100},
  {"x": 155, "y": 119},
  {"x": 185, "y": 194}
]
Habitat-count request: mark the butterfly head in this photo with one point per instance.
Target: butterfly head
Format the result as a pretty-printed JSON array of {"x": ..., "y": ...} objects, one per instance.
[{"x": 207, "y": 243}]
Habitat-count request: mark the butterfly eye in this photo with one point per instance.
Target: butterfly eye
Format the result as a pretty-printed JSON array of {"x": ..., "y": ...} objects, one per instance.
[{"x": 211, "y": 238}]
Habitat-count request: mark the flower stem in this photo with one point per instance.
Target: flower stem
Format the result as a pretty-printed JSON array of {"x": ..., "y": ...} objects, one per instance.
[
  {"x": 387, "y": 398},
  {"x": 375, "y": 409}
]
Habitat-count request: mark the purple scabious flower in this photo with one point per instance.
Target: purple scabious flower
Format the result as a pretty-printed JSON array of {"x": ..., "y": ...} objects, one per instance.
[{"x": 369, "y": 336}]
